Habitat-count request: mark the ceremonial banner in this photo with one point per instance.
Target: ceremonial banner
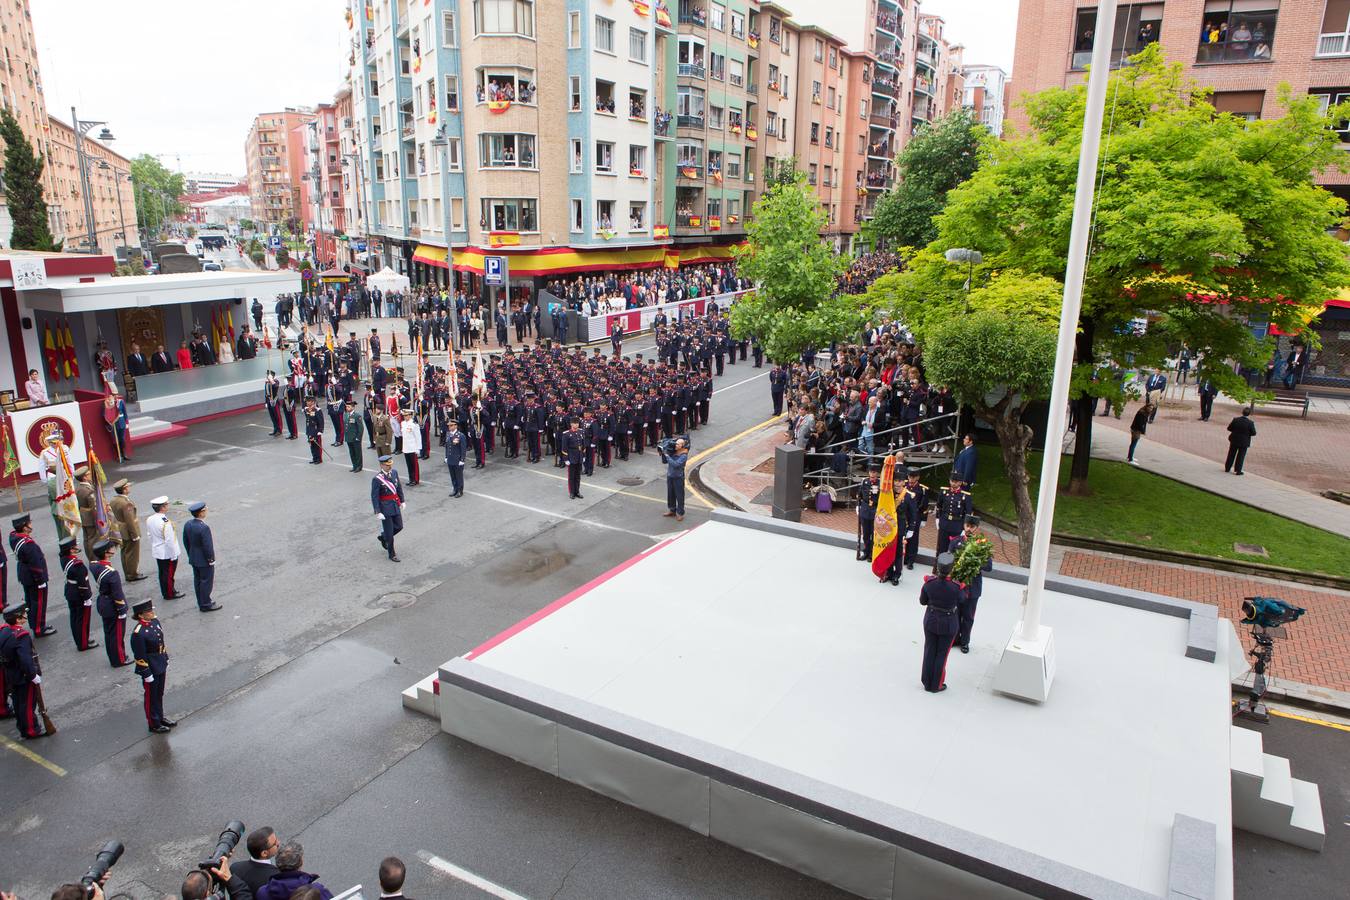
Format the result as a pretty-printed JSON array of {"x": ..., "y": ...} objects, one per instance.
[
  {"x": 31, "y": 427},
  {"x": 885, "y": 527}
]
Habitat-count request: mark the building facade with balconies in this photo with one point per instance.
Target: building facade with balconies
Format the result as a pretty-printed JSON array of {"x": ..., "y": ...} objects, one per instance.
[
  {"x": 275, "y": 165},
  {"x": 983, "y": 89},
  {"x": 112, "y": 201},
  {"x": 822, "y": 93}
]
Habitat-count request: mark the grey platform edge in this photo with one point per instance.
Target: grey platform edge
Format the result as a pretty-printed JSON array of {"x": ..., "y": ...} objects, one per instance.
[
  {"x": 855, "y": 842},
  {"x": 1202, "y": 638}
]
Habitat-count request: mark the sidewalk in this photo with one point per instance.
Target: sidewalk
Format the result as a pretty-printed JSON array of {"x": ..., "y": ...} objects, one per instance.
[
  {"x": 1155, "y": 454},
  {"x": 1312, "y": 662}
]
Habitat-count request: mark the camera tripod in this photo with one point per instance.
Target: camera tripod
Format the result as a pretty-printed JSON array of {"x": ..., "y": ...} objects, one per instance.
[{"x": 1252, "y": 707}]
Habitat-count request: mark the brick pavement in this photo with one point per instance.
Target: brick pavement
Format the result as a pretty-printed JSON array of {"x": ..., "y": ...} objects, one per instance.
[
  {"x": 1306, "y": 453},
  {"x": 1317, "y": 649}
]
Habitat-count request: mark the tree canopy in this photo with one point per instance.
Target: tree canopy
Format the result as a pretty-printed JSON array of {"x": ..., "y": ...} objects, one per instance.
[
  {"x": 794, "y": 305},
  {"x": 23, "y": 189},
  {"x": 157, "y": 191},
  {"x": 939, "y": 157}
]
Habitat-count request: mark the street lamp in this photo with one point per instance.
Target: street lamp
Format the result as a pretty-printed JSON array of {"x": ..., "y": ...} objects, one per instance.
[
  {"x": 82, "y": 128},
  {"x": 971, "y": 258},
  {"x": 441, "y": 141}
]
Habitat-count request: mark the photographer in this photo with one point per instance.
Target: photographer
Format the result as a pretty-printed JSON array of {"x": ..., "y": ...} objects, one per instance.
[
  {"x": 198, "y": 885},
  {"x": 289, "y": 876},
  {"x": 675, "y": 457}
]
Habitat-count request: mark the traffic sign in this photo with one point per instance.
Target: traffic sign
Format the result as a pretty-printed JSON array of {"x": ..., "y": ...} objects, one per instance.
[{"x": 495, "y": 272}]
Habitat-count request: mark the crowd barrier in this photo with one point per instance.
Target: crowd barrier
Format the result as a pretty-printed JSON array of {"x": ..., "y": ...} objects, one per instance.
[{"x": 597, "y": 328}]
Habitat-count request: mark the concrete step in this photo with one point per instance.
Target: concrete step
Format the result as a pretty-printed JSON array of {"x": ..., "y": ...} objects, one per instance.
[
  {"x": 421, "y": 697},
  {"x": 144, "y": 425},
  {"x": 1307, "y": 820},
  {"x": 1277, "y": 782},
  {"x": 1267, "y": 799}
]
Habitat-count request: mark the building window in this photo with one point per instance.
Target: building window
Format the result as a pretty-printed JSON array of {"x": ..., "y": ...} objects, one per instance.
[
  {"x": 604, "y": 34},
  {"x": 771, "y": 124},
  {"x": 452, "y": 93},
  {"x": 714, "y": 206},
  {"x": 715, "y": 162},
  {"x": 1335, "y": 37},
  {"x": 511, "y": 215},
  {"x": 637, "y": 160},
  {"x": 1243, "y": 104},
  {"x": 783, "y": 130},
  {"x": 815, "y": 132},
  {"x": 604, "y": 214},
  {"x": 689, "y": 153},
  {"x": 829, "y": 97},
  {"x": 637, "y": 104},
  {"x": 506, "y": 151},
  {"x": 718, "y": 20},
  {"x": 576, "y": 215},
  {"x": 637, "y": 45},
  {"x": 457, "y": 213},
  {"x": 515, "y": 85},
  {"x": 733, "y": 165},
  {"x": 576, "y": 156},
  {"x": 787, "y": 43},
  {"x": 604, "y": 157},
  {"x": 737, "y": 25},
  {"x": 784, "y": 79},
  {"x": 576, "y": 93},
  {"x": 737, "y": 76},
  {"x": 449, "y": 33},
  {"x": 811, "y": 175},
  {"x": 689, "y": 107},
  {"x": 733, "y": 206},
  {"x": 815, "y": 92},
  {"x": 504, "y": 17},
  {"x": 715, "y": 117},
  {"x": 820, "y": 50},
  {"x": 637, "y": 216},
  {"x": 573, "y": 30},
  {"x": 1327, "y": 98},
  {"x": 834, "y": 58},
  {"x": 453, "y": 155},
  {"x": 691, "y": 57},
  {"x": 1137, "y": 26},
  {"x": 775, "y": 29},
  {"x": 1237, "y": 30},
  {"x": 604, "y": 97},
  {"x": 717, "y": 65},
  {"x": 829, "y": 137}
]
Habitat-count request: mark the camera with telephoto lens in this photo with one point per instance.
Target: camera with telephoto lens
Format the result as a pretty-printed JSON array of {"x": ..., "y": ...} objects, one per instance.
[
  {"x": 1268, "y": 612},
  {"x": 106, "y": 859},
  {"x": 229, "y": 839}
]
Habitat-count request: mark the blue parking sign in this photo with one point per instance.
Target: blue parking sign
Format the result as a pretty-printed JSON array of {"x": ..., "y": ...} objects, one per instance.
[{"x": 495, "y": 271}]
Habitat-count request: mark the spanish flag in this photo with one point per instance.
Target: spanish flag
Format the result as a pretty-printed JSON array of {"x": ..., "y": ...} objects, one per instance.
[
  {"x": 62, "y": 357},
  {"x": 49, "y": 347},
  {"x": 885, "y": 527},
  {"x": 72, "y": 361}
]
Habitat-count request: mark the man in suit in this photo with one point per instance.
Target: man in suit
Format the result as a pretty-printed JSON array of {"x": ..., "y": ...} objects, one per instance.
[
  {"x": 1240, "y": 433},
  {"x": 1294, "y": 364},
  {"x": 1207, "y": 394},
  {"x": 246, "y": 347},
  {"x": 161, "y": 361},
  {"x": 1156, "y": 383},
  {"x": 201, "y": 551},
  {"x": 137, "y": 364},
  {"x": 392, "y": 875},
  {"x": 778, "y": 382},
  {"x": 386, "y": 496},
  {"x": 126, "y": 529},
  {"x": 963, "y": 466},
  {"x": 259, "y": 868}
]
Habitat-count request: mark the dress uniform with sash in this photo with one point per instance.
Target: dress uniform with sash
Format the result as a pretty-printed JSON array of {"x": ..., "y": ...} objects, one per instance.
[
  {"x": 869, "y": 495},
  {"x": 386, "y": 496},
  {"x": 22, "y": 673},
  {"x": 79, "y": 595},
  {"x": 111, "y": 605},
  {"x": 152, "y": 664},
  {"x": 941, "y": 622},
  {"x": 31, "y": 568},
  {"x": 915, "y": 514},
  {"x": 288, "y": 404},
  {"x": 952, "y": 508}
]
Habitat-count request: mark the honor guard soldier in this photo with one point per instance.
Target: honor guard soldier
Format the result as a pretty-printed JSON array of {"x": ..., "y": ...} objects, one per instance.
[
  {"x": 23, "y": 674},
  {"x": 288, "y": 405},
  {"x": 112, "y": 604},
  {"x": 386, "y": 495},
  {"x": 32, "y": 572},
  {"x": 272, "y": 400},
  {"x": 314, "y": 431},
  {"x": 201, "y": 553},
  {"x": 953, "y": 506},
  {"x": 456, "y": 449},
  {"x": 163, "y": 547},
  {"x": 79, "y": 595},
  {"x": 152, "y": 664},
  {"x": 915, "y": 514},
  {"x": 573, "y": 446},
  {"x": 127, "y": 528},
  {"x": 941, "y": 622},
  {"x": 778, "y": 382},
  {"x": 971, "y": 597},
  {"x": 353, "y": 426},
  {"x": 869, "y": 494},
  {"x": 381, "y": 432}
]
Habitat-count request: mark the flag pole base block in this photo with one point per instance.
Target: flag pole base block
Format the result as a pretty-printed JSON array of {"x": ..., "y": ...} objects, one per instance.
[{"x": 1027, "y": 668}]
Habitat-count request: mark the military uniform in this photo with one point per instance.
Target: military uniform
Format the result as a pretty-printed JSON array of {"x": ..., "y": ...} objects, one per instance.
[
  {"x": 386, "y": 496},
  {"x": 152, "y": 664},
  {"x": 22, "y": 672},
  {"x": 869, "y": 495},
  {"x": 127, "y": 530},
  {"x": 382, "y": 432},
  {"x": 953, "y": 506},
  {"x": 84, "y": 495},
  {"x": 352, "y": 432},
  {"x": 314, "y": 434},
  {"x": 941, "y": 622},
  {"x": 916, "y": 513},
  {"x": 456, "y": 450},
  {"x": 971, "y": 596},
  {"x": 31, "y": 568},
  {"x": 573, "y": 446},
  {"x": 79, "y": 595},
  {"x": 112, "y": 609},
  {"x": 272, "y": 400}
]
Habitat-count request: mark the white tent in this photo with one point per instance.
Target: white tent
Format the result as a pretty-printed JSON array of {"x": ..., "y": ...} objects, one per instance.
[{"x": 388, "y": 280}]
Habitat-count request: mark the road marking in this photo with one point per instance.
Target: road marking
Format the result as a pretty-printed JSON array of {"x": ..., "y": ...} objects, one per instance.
[
  {"x": 592, "y": 486},
  {"x": 1311, "y": 721},
  {"x": 460, "y": 873},
  {"x": 33, "y": 757},
  {"x": 735, "y": 437},
  {"x": 558, "y": 515},
  {"x": 246, "y": 449},
  {"x": 741, "y": 382}
]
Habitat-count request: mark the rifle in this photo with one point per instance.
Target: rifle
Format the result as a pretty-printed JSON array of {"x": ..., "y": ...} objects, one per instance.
[
  {"x": 42, "y": 711},
  {"x": 859, "y": 549}
]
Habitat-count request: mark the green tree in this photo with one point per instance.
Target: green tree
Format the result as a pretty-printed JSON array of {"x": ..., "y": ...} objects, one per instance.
[
  {"x": 939, "y": 157},
  {"x": 23, "y": 189},
  {"x": 998, "y": 363},
  {"x": 156, "y": 190},
  {"x": 794, "y": 305},
  {"x": 783, "y": 171},
  {"x": 283, "y": 257},
  {"x": 1204, "y": 222}
]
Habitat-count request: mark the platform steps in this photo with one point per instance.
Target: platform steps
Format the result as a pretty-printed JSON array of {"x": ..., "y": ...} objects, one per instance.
[
  {"x": 144, "y": 426},
  {"x": 421, "y": 697},
  {"x": 1268, "y": 800}
]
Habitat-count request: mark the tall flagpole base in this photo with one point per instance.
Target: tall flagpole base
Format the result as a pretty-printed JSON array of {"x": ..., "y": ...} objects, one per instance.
[{"x": 1027, "y": 668}]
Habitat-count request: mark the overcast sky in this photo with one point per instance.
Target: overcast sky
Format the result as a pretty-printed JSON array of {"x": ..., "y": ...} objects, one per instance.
[{"x": 186, "y": 77}]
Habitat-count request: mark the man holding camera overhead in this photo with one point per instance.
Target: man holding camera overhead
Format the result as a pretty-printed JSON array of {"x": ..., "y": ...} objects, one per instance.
[{"x": 675, "y": 457}]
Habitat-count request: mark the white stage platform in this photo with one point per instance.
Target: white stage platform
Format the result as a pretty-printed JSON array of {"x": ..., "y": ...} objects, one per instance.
[{"x": 751, "y": 681}]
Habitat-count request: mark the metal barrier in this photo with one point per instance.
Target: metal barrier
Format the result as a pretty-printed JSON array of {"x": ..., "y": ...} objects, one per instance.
[{"x": 919, "y": 455}]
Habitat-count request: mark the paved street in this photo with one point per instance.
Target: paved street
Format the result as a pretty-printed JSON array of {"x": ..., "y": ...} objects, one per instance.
[{"x": 318, "y": 636}]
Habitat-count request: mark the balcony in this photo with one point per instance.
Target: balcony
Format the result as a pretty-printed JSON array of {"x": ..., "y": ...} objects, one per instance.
[
  {"x": 923, "y": 86},
  {"x": 885, "y": 88},
  {"x": 688, "y": 221},
  {"x": 690, "y": 15},
  {"x": 409, "y": 130},
  {"x": 752, "y": 89},
  {"x": 689, "y": 121},
  {"x": 887, "y": 122},
  {"x": 888, "y": 23},
  {"x": 693, "y": 70},
  {"x": 927, "y": 59}
]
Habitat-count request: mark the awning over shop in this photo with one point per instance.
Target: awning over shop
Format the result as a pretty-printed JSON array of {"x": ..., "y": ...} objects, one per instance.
[{"x": 550, "y": 261}]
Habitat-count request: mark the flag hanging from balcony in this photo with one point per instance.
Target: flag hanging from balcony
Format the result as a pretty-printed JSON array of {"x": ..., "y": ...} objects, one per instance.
[
  {"x": 606, "y": 233},
  {"x": 660, "y": 231},
  {"x": 751, "y": 133},
  {"x": 714, "y": 223},
  {"x": 662, "y": 14},
  {"x": 504, "y": 238},
  {"x": 641, "y": 8},
  {"x": 672, "y": 259},
  {"x": 499, "y": 106},
  {"x": 689, "y": 171}
]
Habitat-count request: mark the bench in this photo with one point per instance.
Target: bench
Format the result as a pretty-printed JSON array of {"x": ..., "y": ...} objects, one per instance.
[{"x": 1290, "y": 399}]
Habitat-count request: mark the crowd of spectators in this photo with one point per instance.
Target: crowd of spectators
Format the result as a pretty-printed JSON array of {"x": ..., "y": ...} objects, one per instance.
[
  {"x": 866, "y": 269},
  {"x": 630, "y": 290}
]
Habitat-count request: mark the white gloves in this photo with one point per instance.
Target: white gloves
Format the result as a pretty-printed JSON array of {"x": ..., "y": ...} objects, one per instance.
[
  {"x": 380, "y": 516},
  {"x": 149, "y": 678},
  {"x": 908, "y": 535},
  {"x": 37, "y": 679}
]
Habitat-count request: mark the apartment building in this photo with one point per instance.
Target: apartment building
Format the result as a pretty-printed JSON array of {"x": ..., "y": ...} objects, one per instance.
[
  {"x": 276, "y": 160},
  {"x": 1243, "y": 49},
  {"x": 983, "y": 91},
  {"x": 111, "y": 199},
  {"x": 822, "y": 81},
  {"x": 777, "y": 36},
  {"x": 208, "y": 182}
]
